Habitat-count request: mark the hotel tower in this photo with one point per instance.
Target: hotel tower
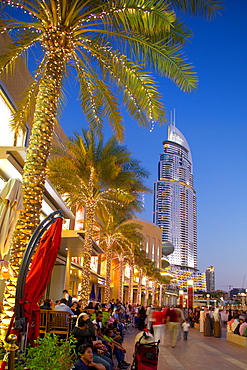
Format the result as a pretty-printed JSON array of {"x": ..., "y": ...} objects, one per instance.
[{"x": 175, "y": 206}]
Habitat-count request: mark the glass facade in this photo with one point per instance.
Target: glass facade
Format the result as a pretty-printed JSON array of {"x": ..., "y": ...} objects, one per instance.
[{"x": 175, "y": 201}]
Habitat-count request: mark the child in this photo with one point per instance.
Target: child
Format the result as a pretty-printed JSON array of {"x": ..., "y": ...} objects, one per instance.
[{"x": 185, "y": 327}]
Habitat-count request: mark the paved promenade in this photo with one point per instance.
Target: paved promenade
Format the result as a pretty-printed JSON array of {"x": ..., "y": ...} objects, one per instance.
[{"x": 198, "y": 352}]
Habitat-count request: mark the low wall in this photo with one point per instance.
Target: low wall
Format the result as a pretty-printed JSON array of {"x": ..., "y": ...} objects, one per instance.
[{"x": 237, "y": 339}]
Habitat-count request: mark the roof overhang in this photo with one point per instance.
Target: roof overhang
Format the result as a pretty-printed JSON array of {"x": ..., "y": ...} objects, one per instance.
[{"x": 72, "y": 241}]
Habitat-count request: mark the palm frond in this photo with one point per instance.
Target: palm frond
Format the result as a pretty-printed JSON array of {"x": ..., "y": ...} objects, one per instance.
[
  {"x": 9, "y": 59},
  {"x": 206, "y": 8},
  {"x": 26, "y": 104}
]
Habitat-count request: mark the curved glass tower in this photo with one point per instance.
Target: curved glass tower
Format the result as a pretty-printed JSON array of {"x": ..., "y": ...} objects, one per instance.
[{"x": 175, "y": 201}]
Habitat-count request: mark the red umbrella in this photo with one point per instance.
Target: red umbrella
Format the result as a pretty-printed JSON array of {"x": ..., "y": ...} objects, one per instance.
[{"x": 39, "y": 276}]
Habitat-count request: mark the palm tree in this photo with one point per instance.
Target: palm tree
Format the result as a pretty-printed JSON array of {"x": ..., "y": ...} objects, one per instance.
[
  {"x": 103, "y": 41},
  {"x": 116, "y": 232},
  {"x": 96, "y": 176},
  {"x": 150, "y": 272},
  {"x": 141, "y": 261},
  {"x": 131, "y": 278},
  {"x": 162, "y": 281}
]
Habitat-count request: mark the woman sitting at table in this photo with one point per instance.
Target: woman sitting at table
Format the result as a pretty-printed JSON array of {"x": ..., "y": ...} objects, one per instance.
[
  {"x": 75, "y": 309},
  {"x": 46, "y": 305}
]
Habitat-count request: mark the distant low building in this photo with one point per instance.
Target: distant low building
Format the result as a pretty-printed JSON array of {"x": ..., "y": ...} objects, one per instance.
[{"x": 235, "y": 291}]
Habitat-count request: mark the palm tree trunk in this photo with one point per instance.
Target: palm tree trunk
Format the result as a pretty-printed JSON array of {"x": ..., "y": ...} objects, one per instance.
[
  {"x": 120, "y": 287},
  {"x": 34, "y": 172},
  {"x": 160, "y": 295},
  {"x": 146, "y": 293},
  {"x": 130, "y": 290},
  {"x": 87, "y": 249},
  {"x": 139, "y": 287},
  {"x": 153, "y": 292},
  {"x": 108, "y": 274}
]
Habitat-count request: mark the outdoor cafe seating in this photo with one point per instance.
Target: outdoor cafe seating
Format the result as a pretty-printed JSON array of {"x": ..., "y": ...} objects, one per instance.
[{"x": 55, "y": 322}]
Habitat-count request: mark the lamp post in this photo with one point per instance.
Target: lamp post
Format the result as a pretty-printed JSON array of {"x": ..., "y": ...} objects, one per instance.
[
  {"x": 208, "y": 300},
  {"x": 243, "y": 295},
  {"x": 222, "y": 302}
]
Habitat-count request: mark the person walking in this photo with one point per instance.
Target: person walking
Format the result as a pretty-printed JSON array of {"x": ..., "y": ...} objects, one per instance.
[
  {"x": 172, "y": 320},
  {"x": 68, "y": 297},
  {"x": 207, "y": 326},
  {"x": 158, "y": 320},
  {"x": 149, "y": 313},
  {"x": 185, "y": 328},
  {"x": 142, "y": 317},
  {"x": 217, "y": 323}
]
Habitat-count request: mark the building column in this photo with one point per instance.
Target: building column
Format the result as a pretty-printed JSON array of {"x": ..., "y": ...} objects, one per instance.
[{"x": 67, "y": 270}]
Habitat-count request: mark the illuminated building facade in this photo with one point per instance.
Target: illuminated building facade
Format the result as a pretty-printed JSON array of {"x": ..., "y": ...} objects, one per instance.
[
  {"x": 175, "y": 203},
  {"x": 210, "y": 279}
]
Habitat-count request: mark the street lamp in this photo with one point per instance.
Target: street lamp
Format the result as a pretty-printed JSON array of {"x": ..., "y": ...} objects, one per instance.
[
  {"x": 243, "y": 295},
  {"x": 208, "y": 300},
  {"x": 222, "y": 302}
]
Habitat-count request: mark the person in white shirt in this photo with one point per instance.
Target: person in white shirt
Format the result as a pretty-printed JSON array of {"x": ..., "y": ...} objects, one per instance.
[
  {"x": 63, "y": 307},
  {"x": 98, "y": 320},
  {"x": 185, "y": 327}
]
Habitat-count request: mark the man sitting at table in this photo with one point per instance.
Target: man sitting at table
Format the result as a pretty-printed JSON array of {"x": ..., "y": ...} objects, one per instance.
[{"x": 63, "y": 307}]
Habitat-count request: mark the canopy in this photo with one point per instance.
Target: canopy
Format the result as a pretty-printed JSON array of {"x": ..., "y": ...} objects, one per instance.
[{"x": 39, "y": 276}]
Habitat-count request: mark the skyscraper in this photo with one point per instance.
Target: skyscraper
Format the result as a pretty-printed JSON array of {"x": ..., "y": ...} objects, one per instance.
[{"x": 175, "y": 201}]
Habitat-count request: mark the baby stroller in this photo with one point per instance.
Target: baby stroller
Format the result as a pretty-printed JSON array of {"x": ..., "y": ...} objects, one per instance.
[{"x": 146, "y": 353}]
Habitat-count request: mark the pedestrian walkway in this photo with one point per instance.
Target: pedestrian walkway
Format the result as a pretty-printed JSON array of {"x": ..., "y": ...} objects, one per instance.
[{"x": 198, "y": 352}]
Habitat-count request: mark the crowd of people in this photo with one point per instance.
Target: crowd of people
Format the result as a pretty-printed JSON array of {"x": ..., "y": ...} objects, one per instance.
[
  {"x": 99, "y": 329},
  {"x": 237, "y": 322},
  {"x": 99, "y": 336}
]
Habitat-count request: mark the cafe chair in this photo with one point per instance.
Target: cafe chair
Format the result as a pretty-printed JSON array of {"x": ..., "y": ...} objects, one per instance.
[{"x": 58, "y": 323}]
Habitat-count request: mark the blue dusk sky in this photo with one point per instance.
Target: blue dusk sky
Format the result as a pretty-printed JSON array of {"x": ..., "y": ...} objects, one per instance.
[{"x": 213, "y": 120}]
